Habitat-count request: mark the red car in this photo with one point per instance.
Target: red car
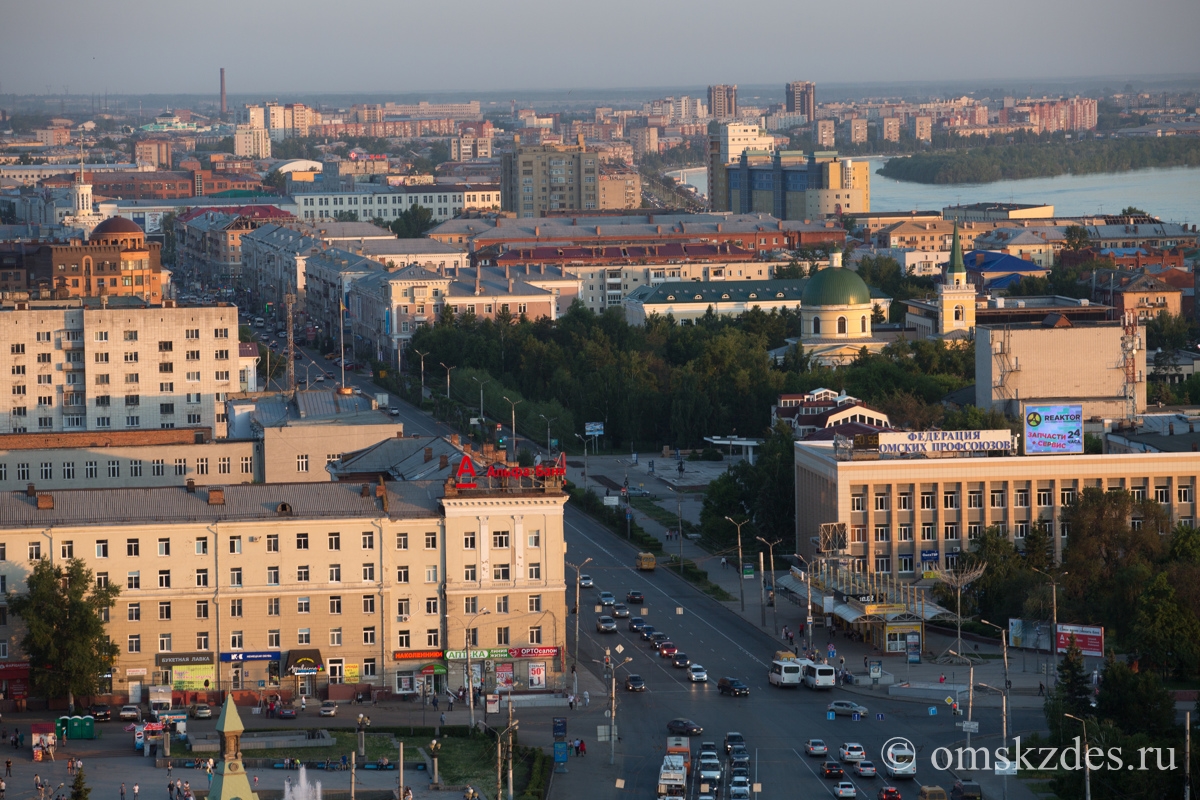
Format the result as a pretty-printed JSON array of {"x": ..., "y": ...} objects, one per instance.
[
  {"x": 889, "y": 793},
  {"x": 667, "y": 649}
]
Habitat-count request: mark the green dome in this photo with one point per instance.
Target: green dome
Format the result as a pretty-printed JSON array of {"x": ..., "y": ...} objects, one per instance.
[{"x": 835, "y": 286}]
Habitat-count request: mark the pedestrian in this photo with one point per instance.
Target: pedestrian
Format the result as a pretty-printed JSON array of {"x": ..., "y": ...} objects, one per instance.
[
  {"x": 942, "y": 678},
  {"x": 255, "y": 784},
  {"x": 1041, "y": 689},
  {"x": 122, "y": 791},
  {"x": 582, "y": 748},
  {"x": 179, "y": 788},
  {"x": 450, "y": 702},
  {"x": 443, "y": 717},
  {"x": 724, "y": 562},
  {"x": 70, "y": 767},
  {"x": 571, "y": 701},
  {"x": 79, "y": 765},
  {"x": 136, "y": 789},
  {"x": 8, "y": 768},
  {"x": 170, "y": 790},
  {"x": 587, "y": 699},
  {"x": 304, "y": 703},
  {"x": 578, "y": 744},
  {"x": 169, "y": 767},
  {"x": 3, "y": 788},
  {"x": 866, "y": 666},
  {"x": 435, "y": 702}
]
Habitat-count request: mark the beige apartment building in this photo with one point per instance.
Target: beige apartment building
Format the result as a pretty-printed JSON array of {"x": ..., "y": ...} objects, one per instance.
[
  {"x": 314, "y": 590},
  {"x": 907, "y": 515},
  {"x": 619, "y": 188},
  {"x": 889, "y": 129},
  {"x": 602, "y": 287},
  {"x": 536, "y": 179},
  {"x": 824, "y": 133}
]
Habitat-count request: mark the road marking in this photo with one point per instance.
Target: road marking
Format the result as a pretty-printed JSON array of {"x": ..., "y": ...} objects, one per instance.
[{"x": 634, "y": 572}]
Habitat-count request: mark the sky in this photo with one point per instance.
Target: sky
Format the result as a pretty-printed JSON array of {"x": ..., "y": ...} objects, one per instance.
[{"x": 276, "y": 47}]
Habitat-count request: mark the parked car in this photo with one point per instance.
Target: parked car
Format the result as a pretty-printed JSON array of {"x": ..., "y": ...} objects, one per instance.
[
  {"x": 966, "y": 790},
  {"x": 606, "y": 625},
  {"x": 816, "y": 747},
  {"x": 864, "y": 769},
  {"x": 634, "y": 491},
  {"x": 101, "y": 712},
  {"x": 586, "y": 581},
  {"x": 851, "y": 751},
  {"x": 832, "y": 769},
  {"x": 846, "y": 708},
  {"x": 732, "y": 738},
  {"x": 684, "y": 726},
  {"x": 131, "y": 712},
  {"x": 636, "y": 624},
  {"x": 680, "y": 660},
  {"x": 697, "y": 674},
  {"x": 667, "y": 649},
  {"x": 845, "y": 789},
  {"x": 329, "y": 709},
  {"x": 620, "y": 610},
  {"x": 286, "y": 712},
  {"x": 732, "y": 687},
  {"x": 200, "y": 711},
  {"x": 635, "y": 598},
  {"x": 634, "y": 683}
]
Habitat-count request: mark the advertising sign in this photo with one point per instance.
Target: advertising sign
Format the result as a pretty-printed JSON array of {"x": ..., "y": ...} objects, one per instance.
[
  {"x": 593, "y": 429},
  {"x": 537, "y": 675},
  {"x": 1053, "y": 430},
  {"x": 929, "y": 555},
  {"x": 560, "y": 753},
  {"x": 913, "y": 647},
  {"x": 901, "y": 443},
  {"x": 531, "y": 652},
  {"x": 493, "y": 704},
  {"x": 252, "y": 655},
  {"x": 1088, "y": 639},
  {"x": 350, "y": 673},
  {"x": 560, "y": 727},
  {"x": 504, "y": 676},
  {"x": 1029, "y": 633},
  {"x": 192, "y": 676}
]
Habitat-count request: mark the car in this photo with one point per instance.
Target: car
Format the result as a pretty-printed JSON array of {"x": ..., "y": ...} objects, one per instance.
[
  {"x": 739, "y": 756},
  {"x": 329, "y": 709},
  {"x": 816, "y": 747},
  {"x": 634, "y": 491},
  {"x": 684, "y": 726},
  {"x": 605, "y": 599},
  {"x": 620, "y": 610},
  {"x": 656, "y": 639},
  {"x": 732, "y": 687},
  {"x": 739, "y": 788},
  {"x": 298, "y": 357},
  {"x": 697, "y": 674},
  {"x": 740, "y": 771},
  {"x": 330, "y": 356},
  {"x": 200, "y": 711},
  {"x": 286, "y": 712},
  {"x": 648, "y": 632},
  {"x": 845, "y": 789},
  {"x": 864, "y": 769},
  {"x": 710, "y": 769},
  {"x": 635, "y": 598},
  {"x": 101, "y": 712},
  {"x": 832, "y": 769},
  {"x": 680, "y": 660},
  {"x": 634, "y": 683},
  {"x": 846, "y": 708},
  {"x": 851, "y": 751},
  {"x": 393, "y": 412},
  {"x": 667, "y": 649},
  {"x": 586, "y": 581},
  {"x": 889, "y": 793},
  {"x": 319, "y": 379},
  {"x": 606, "y": 625},
  {"x": 966, "y": 790},
  {"x": 709, "y": 748},
  {"x": 636, "y": 624},
  {"x": 732, "y": 738},
  {"x": 130, "y": 712}
]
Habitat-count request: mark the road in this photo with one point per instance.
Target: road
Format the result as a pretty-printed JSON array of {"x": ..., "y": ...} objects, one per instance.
[{"x": 775, "y": 721}]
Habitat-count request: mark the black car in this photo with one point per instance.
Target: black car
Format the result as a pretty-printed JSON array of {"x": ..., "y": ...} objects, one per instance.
[
  {"x": 100, "y": 712},
  {"x": 634, "y": 683},
  {"x": 966, "y": 790},
  {"x": 684, "y": 726},
  {"x": 831, "y": 769},
  {"x": 647, "y": 632},
  {"x": 739, "y": 756},
  {"x": 732, "y": 739},
  {"x": 635, "y": 598},
  {"x": 732, "y": 687},
  {"x": 636, "y": 624},
  {"x": 681, "y": 660}
]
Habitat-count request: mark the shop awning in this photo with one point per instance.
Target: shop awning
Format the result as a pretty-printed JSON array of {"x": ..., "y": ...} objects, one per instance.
[{"x": 304, "y": 662}]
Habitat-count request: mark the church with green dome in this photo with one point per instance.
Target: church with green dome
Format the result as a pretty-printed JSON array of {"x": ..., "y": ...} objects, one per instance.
[{"x": 836, "y": 307}]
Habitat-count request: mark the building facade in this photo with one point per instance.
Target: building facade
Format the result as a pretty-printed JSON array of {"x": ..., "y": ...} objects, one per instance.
[
  {"x": 722, "y": 102},
  {"x": 619, "y": 189},
  {"x": 542, "y": 178},
  {"x": 800, "y": 97}
]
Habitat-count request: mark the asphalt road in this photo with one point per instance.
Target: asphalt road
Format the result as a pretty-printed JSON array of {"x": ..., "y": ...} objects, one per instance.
[{"x": 775, "y": 721}]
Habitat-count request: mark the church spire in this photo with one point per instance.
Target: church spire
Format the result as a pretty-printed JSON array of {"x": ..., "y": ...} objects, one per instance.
[{"x": 956, "y": 256}]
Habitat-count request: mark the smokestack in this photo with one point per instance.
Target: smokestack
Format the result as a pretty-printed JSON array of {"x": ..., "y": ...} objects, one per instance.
[{"x": 223, "y": 107}]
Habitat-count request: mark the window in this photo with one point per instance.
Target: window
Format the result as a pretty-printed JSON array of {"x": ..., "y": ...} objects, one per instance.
[
  {"x": 304, "y": 636},
  {"x": 202, "y": 577},
  {"x": 368, "y": 540},
  {"x": 164, "y": 610},
  {"x": 431, "y": 605},
  {"x": 1162, "y": 494},
  {"x": 535, "y": 635},
  {"x": 502, "y": 604},
  {"x": 883, "y": 563},
  {"x": 335, "y": 604},
  {"x": 469, "y": 540},
  {"x": 904, "y": 533},
  {"x": 302, "y": 463},
  {"x": 1021, "y": 498},
  {"x": 1045, "y": 497},
  {"x": 502, "y": 635},
  {"x": 301, "y": 541},
  {"x": 368, "y": 667},
  {"x": 102, "y": 548},
  {"x": 368, "y": 603},
  {"x": 975, "y": 500},
  {"x": 272, "y": 576},
  {"x": 335, "y": 541},
  {"x": 856, "y": 502},
  {"x": 134, "y": 643},
  {"x": 201, "y": 609},
  {"x": 202, "y": 545},
  {"x": 247, "y": 465},
  {"x": 1066, "y": 497},
  {"x": 401, "y": 541},
  {"x": 1138, "y": 493},
  {"x": 303, "y": 606},
  {"x": 904, "y": 501},
  {"x": 236, "y": 640},
  {"x": 67, "y": 549},
  {"x": 881, "y": 502},
  {"x": 535, "y": 539},
  {"x": 368, "y": 572},
  {"x": 432, "y": 638},
  {"x": 302, "y": 574},
  {"x": 470, "y": 573},
  {"x": 221, "y": 333},
  {"x": 950, "y": 499},
  {"x": 535, "y": 572},
  {"x": 181, "y": 466},
  {"x": 235, "y": 576},
  {"x": 858, "y": 534},
  {"x": 1183, "y": 494},
  {"x": 135, "y": 468},
  {"x": 402, "y": 608},
  {"x": 500, "y": 572},
  {"x": 927, "y": 501},
  {"x": 401, "y": 574},
  {"x": 906, "y": 563},
  {"x": 35, "y": 551},
  {"x": 272, "y": 606},
  {"x": 997, "y": 498},
  {"x": 191, "y": 333},
  {"x": 235, "y": 545},
  {"x": 158, "y": 469},
  {"x": 164, "y": 643},
  {"x": 193, "y": 377},
  {"x": 132, "y": 547},
  {"x": 335, "y": 637},
  {"x": 431, "y": 541},
  {"x": 164, "y": 547},
  {"x": 403, "y": 639},
  {"x": 951, "y": 531},
  {"x": 164, "y": 579},
  {"x": 68, "y": 471},
  {"x": 928, "y": 533},
  {"x": 369, "y": 635},
  {"x": 883, "y": 533},
  {"x": 535, "y": 602},
  {"x": 273, "y": 638},
  {"x": 1021, "y": 530},
  {"x": 335, "y": 573},
  {"x": 134, "y": 612}
]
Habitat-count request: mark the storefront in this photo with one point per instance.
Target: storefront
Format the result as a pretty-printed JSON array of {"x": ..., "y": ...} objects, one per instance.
[
  {"x": 14, "y": 680},
  {"x": 188, "y": 672},
  {"x": 504, "y": 669},
  {"x": 414, "y": 677},
  {"x": 253, "y": 669},
  {"x": 305, "y": 666}
]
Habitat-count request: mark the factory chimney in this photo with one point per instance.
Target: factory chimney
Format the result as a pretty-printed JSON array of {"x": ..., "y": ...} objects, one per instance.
[{"x": 223, "y": 107}]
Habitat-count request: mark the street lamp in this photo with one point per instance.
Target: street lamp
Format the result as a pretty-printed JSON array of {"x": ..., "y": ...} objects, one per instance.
[
  {"x": 585, "y": 470},
  {"x": 481, "y": 385},
  {"x": 513, "y": 404},
  {"x": 1087, "y": 770},
  {"x": 775, "y": 602},
  {"x": 548, "y": 421},
  {"x": 741, "y": 580},
  {"x": 808, "y": 620},
  {"x": 422, "y": 355},
  {"x": 447, "y": 377},
  {"x": 470, "y": 674},
  {"x": 612, "y": 731},
  {"x": 1054, "y": 619},
  {"x": 1004, "y": 648},
  {"x": 575, "y": 663},
  {"x": 435, "y": 747},
  {"x": 364, "y": 722},
  {"x": 1003, "y": 721}
]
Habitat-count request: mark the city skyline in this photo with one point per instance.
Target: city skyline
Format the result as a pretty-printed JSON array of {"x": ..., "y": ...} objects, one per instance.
[{"x": 663, "y": 44}]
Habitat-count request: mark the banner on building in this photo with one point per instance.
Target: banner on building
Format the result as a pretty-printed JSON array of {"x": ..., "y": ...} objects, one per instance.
[
  {"x": 193, "y": 677},
  {"x": 906, "y": 442},
  {"x": 537, "y": 675},
  {"x": 504, "y": 675},
  {"x": 1053, "y": 430}
]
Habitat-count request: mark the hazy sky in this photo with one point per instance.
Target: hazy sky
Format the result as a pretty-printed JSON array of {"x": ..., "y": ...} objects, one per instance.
[{"x": 406, "y": 46}]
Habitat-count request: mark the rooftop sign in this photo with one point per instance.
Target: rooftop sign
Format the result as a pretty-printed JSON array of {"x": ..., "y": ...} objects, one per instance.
[
  {"x": 903, "y": 443},
  {"x": 1053, "y": 430}
]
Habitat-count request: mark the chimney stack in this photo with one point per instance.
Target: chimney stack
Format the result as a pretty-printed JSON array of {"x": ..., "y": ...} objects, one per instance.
[
  {"x": 223, "y": 107},
  {"x": 191, "y": 486},
  {"x": 216, "y": 496},
  {"x": 444, "y": 461},
  {"x": 428, "y": 454}
]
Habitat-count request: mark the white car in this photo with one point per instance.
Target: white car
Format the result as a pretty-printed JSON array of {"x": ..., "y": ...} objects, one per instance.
[
  {"x": 586, "y": 581},
  {"x": 851, "y": 751},
  {"x": 329, "y": 709},
  {"x": 864, "y": 769},
  {"x": 845, "y": 789},
  {"x": 710, "y": 770},
  {"x": 739, "y": 788},
  {"x": 846, "y": 708},
  {"x": 816, "y": 747},
  {"x": 697, "y": 674}
]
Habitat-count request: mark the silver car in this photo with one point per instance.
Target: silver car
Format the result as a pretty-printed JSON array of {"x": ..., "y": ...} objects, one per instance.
[
  {"x": 585, "y": 581},
  {"x": 620, "y": 610},
  {"x": 606, "y": 624},
  {"x": 697, "y": 674}
]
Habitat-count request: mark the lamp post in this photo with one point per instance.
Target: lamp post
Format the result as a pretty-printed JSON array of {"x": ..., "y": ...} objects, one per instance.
[
  {"x": 1003, "y": 721},
  {"x": 1004, "y": 649},
  {"x": 808, "y": 619},
  {"x": 1054, "y": 619},
  {"x": 585, "y": 463},
  {"x": 612, "y": 709},
  {"x": 447, "y": 377},
  {"x": 422, "y": 355},
  {"x": 741, "y": 572},
  {"x": 481, "y": 385},
  {"x": 1087, "y": 770},
  {"x": 471, "y": 675},
  {"x": 548, "y": 421},
  {"x": 363, "y": 723},
  {"x": 435, "y": 747},
  {"x": 513, "y": 404},
  {"x": 774, "y": 603},
  {"x": 575, "y": 661}
]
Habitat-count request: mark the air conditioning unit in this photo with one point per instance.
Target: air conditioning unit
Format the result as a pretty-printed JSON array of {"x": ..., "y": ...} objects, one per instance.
[
  {"x": 955, "y": 549},
  {"x": 402, "y": 618},
  {"x": 254, "y": 538}
]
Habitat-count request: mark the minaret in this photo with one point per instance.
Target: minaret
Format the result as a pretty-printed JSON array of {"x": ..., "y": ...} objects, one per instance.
[
  {"x": 956, "y": 296},
  {"x": 229, "y": 780}
]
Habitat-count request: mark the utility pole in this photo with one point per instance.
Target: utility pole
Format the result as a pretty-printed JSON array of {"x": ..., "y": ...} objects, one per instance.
[
  {"x": 290, "y": 301},
  {"x": 741, "y": 572},
  {"x": 548, "y": 421},
  {"x": 1187, "y": 755},
  {"x": 514, "y": 438},
  {"x": 1053, "y": 621},
  {"x": 762, "y": 592},
  {"x": 447, "y": 377},
  {"x": 481, "y": 385},
  {"x": 1087, "y": 769},
  {"x": 775, "y": 601},
  {"x": 511, "y": 727},
  {"x": 575, "y": 662},
  {"x": 422, "y": 355}
]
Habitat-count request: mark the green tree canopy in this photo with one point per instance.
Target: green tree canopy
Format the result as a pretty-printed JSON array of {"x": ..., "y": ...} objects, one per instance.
[
  {"x": 1076, "y": 237},
  {"x": 413, "y": 222}
]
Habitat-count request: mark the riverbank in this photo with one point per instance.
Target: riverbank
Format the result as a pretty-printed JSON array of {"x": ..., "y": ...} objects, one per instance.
[{"x": 997, "y": 162}]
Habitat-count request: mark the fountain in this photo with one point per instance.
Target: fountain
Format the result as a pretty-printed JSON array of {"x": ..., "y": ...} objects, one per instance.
[{"x": 302, "y": 789}]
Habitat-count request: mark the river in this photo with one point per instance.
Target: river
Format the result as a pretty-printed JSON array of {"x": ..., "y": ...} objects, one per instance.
[{"x": 1171, "y": 194}]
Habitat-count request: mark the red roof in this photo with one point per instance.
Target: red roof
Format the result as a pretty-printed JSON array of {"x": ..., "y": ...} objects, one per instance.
[
  {"x": 610, "y": 254},
  {"x": 254, "y": 212}
]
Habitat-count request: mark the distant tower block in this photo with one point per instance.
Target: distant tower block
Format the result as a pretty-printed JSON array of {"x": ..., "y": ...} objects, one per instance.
[{"x": 223, "y": 108}]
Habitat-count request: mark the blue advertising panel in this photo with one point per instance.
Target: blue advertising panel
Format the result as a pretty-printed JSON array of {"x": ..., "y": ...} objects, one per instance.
[{"x": 1053, "y": 430}]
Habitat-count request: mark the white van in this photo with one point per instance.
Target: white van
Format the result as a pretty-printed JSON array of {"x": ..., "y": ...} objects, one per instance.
[
  {"x": 784, "y": 673},
  {"x": 259, "y": 322},
  {"x": 817, "y": 676}
]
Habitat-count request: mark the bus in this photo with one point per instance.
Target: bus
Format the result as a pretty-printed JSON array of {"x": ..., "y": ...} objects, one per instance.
[
  {"x": 784, "y": 673},
  {"x": 817, "y": 676}
]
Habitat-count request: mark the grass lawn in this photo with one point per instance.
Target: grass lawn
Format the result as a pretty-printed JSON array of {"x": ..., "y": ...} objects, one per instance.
[
  {"x": 473, "y": 761},
  {"x": 659, "y": 514},
  {"x": 378, "y": 745}
]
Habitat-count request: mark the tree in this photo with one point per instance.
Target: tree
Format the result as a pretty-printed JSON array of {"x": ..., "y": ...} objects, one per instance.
[
  {"x": 1076, "y": 237},
  {"x": 79, "y": 789},
  {"x": 1132, "y": 211},
  {"x": 65, "y": 638},
  {"x": 1072, "y": 693},
  {"x": 1137, "y": 702},
  {"x": 276, "y": 180},
  {"x": 413, "y": 222},
  {"x": 1167, "y": 635},
  {"x": 346, "y": 216},
  {"x": 1168, "y": 332}
]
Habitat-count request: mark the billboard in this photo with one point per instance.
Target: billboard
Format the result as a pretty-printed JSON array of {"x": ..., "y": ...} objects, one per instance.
[
  {"x": 905, "y": 442},
  {"x": 1088, "y": 638},
  {"x": 593, "y": 429},
  {"x": 1053, "y": 430}
]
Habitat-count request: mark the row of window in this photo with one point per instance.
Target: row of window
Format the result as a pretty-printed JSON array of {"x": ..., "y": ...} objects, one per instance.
[
  {"x": 166, "y": 640},
  {"x": 133, "y": 611},
  {"x": 134, "y": 357},
  {"x": 134, "y": 468},
  {"x": 129, "y": 336},
  {"x": 998, "y": 498}
]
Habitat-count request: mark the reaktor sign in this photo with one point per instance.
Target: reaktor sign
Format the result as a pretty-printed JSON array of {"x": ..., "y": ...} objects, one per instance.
[{"x": 1053, "y": 430}]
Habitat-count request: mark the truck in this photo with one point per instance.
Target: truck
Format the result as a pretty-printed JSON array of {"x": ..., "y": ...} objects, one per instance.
[
  {"x": 682, "y": 747},
  {"x": 672, "y": 777},
  {"x": 160, "y": 700},
  {"x": 645, "y": 561}
]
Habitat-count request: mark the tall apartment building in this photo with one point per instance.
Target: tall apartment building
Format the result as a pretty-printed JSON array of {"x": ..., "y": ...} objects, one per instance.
[
  {"x": 722, "y": 102},
  {"x": 468, "y": 147},
  {"x": 922, "y": 129},
  {"x": 856, "y": 131},
  {"x": 541, "y": 178},
  {"x": 251, "y": 142},
  {"x": 644, "y": 140},
  {"x": 118, "y": 364},
  {"x": 619, "y": 188},
  {"x": 726, "y": 147},
  {"x": 889, "y": 129},
  {"x": 824, "y": 133},
  {"x": 155, "y": 152},
  {"x": 801, "y": 98}
]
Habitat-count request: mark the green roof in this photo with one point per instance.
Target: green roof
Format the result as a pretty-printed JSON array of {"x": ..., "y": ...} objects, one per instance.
[
  {"x": 835, "y": 286},
  {"x": 956, "y": 256}
]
